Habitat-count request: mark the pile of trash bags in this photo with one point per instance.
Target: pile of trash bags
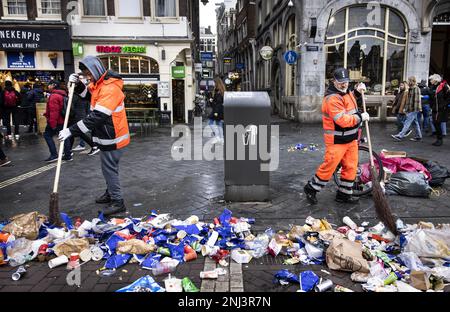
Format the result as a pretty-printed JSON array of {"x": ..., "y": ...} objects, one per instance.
[
  {"x": 416, "y": 260},
  {"x": 408, "y": 176}
]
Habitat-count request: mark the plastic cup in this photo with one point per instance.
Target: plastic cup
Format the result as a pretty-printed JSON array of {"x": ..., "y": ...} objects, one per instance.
[
  {"x": 58, "y": 261},
  {"x": 97, "y": 253}
]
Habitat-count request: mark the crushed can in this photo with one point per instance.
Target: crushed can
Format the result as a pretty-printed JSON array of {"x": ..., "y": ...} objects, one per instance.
[
  {"x": 188, "y": 285},
  {"x": 19, "y": 273},
  {"x": 324, "y": 286}
]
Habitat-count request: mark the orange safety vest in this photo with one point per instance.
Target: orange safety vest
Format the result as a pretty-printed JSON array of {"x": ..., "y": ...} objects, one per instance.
[
  {"x": 108, "y": 98},
  {"x": 341, "y": 118}
]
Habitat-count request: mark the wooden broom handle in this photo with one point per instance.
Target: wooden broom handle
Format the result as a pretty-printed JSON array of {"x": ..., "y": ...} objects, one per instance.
[
  {"x": 61, "y": 145},
  {"x": 369, "y": 140}
]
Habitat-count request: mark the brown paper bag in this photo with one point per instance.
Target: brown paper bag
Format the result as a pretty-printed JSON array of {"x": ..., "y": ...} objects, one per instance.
[
  {"x": 345, "y": 255},
  {"x": 70, "y": 246},
  {"x": 134, "y": 246},
  {"x": 420, "y": 280},
  {"x": 24, "y": 225}
]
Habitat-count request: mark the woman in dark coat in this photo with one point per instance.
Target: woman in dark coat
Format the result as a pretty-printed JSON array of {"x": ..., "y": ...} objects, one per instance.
[
  {"x": 439, "y": 102},
  {"x": 216, "y": 116}
]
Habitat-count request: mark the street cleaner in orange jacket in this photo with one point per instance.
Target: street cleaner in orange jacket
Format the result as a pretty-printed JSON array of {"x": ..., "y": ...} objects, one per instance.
[
  {"x": 107, "y": 123},
  {"x": 341, "y": 123}
]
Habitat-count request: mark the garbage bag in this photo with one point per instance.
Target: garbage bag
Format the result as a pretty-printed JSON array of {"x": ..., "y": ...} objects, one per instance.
[
  {"x": 346, "y": 255},
  {"x": 412, "y": 184},
  {"x": 433, "y": 243},
  {"x": 24, "y": 225},
  {"x": 438, "y": 173},
  {"x": 144, "y": 284}
]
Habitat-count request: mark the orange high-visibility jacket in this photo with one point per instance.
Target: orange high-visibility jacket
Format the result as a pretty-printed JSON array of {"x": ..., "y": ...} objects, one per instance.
[
  {"x": 108, "y": 120},
  {"x": 341, "y": 118}
]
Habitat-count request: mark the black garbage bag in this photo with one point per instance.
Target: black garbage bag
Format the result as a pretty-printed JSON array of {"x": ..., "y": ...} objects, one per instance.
[
  {"x": 438, "y": 173},
  {"x": 413, "y": 184}
]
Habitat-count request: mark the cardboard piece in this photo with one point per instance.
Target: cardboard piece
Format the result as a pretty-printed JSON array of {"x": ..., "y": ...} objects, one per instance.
[
  {"x": 345, "y": 255},
  {"x": 24, "y": 225},
  {"x": 420, "y": 280}
]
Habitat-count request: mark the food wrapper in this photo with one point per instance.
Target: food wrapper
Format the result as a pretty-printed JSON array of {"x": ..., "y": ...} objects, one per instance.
[
  {"x": 144, "y": 284},
  {"x": 70, "y": 246},
  {"x": 24, "y": 225}
]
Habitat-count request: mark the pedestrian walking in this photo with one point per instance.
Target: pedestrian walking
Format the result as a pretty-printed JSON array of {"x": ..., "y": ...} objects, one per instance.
[
  {"x": 108, "y": 124},
  {"x": 10, "y": 100},
  {"x": 341, "y": 122},
  {"x": 425, "y": 116},
  {"x": 439, "y": 100},
  {"x": 412, "y": 108},
  {"x": 217, "y": 114},
  {"x": 35, "y": 95},
  {"x": 399, "y": 106},
  {"x": 55, "y": 121}
]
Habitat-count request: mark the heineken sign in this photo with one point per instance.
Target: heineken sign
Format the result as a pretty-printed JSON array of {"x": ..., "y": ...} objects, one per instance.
[
  {"x": 120, "y": 49},
  {"x": 178, "y": 72}
]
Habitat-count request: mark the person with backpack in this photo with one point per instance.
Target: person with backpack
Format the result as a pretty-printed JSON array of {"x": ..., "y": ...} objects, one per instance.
[
  {"x": 10, "y": 100},
  {"x": 55, "y": 121}
]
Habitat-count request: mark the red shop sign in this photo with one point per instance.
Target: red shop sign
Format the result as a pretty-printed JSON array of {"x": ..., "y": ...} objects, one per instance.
[{"x": 109, "y": 49}]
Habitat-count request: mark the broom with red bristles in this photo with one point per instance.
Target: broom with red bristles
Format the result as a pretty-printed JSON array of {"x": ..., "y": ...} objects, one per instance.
[{"x": 382, "y": 206}]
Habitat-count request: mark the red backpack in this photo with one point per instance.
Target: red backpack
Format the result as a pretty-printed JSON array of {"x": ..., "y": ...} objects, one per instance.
[{"x": 10, "y": 98}]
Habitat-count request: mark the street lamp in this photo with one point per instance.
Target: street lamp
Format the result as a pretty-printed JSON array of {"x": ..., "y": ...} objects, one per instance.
[{"x": 205, "y": 2}]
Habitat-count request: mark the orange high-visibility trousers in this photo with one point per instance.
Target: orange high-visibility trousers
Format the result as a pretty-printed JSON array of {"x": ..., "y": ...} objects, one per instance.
[{"x": 335, "y": 154}]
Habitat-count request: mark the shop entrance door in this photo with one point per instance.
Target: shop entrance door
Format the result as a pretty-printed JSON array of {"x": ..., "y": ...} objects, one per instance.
[
  {"x": 178, "y": 101},
  {"x": 440, "y": 49}
]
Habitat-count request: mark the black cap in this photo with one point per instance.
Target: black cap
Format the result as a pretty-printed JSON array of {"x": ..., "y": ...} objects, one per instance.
[
  {"x": 56, "y": 83},
  {"x": 341, "y": 75}
]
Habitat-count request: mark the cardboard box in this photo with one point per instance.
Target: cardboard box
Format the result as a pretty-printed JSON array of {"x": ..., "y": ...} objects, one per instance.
[
  {"x": 420, "y": 280},
  {"x": 393, "y": 154}
]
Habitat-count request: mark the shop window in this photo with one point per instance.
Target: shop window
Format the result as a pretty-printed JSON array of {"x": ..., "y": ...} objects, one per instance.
[
  {"x": 129, "y": 8},
  {"x": 126, "y": 65},
  {"x": 166, "y": 8},
  {"x": 15, "y": 7},
  {"x": 94, "y": 7},
  {"x": 50, "y": 7},
  {"x": 374, "y": 49}
]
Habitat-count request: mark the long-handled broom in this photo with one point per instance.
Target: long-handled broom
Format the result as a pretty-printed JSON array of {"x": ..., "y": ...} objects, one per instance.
[
  {"x": 382, "y": 206},
  {"x": 54, "y": 198}
]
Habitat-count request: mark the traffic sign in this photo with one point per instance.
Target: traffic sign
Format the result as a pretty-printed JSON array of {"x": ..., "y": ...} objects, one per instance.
[{"x": 291, "y": 57}]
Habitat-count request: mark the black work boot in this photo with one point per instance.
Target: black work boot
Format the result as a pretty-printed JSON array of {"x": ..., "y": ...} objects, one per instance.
[
  {"x": 116, "y": 206},
  {"x": 104, "y": 199},
  {"x": 438, "y": 142},
  {"x": 346, "y": 198},
  {"x": 310, "y": 194}
]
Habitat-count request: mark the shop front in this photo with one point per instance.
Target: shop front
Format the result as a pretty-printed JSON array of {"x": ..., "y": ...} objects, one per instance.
[{"x": 35, "y": 53}]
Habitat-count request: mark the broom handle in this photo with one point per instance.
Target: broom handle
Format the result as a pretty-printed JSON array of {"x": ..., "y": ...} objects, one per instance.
[
  {"x": 61, "y": 145},
  {"x": 369, "y": 140}
]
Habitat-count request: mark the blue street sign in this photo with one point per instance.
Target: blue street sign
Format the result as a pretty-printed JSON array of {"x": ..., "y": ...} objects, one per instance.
[
  {"x": 240, "y": 66},
  {"x": 206, "y": 56},
  {"x": 291, "y": 57}
]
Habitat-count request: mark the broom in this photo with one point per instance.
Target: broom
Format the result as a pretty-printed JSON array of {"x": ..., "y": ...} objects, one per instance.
[
  {"x": 54, "y": 198},
  {"x": 382, "y": 206}
]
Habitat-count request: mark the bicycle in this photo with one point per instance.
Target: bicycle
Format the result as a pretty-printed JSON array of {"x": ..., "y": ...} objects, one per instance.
[{"x": 360, "y": 188}]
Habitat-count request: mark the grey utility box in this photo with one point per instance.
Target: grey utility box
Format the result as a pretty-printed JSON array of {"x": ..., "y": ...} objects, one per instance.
[{"x": 247, "y": 131}]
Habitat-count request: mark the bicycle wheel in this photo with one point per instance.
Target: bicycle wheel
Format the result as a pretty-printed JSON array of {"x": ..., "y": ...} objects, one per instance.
[{"x": 360, "y": 188}]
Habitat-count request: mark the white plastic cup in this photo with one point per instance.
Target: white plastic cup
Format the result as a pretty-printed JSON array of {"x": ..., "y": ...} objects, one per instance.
[
  {"x": 209, "y": 251},
  {"x": 213, "y": 239},
  {"x": 349, "y": 222},
  {"x": 58, "y": 261}
]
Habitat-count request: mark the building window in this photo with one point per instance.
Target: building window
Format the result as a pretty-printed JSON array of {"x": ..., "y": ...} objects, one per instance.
[
  {"x": 166, "y": 8},
  {"x": 290, "y": 45},
  {"x": 50, "y": 7},
  {"x": 374, "y": 53},
  {"x": 129, "y": 8},
  {"x": 15, "y": 7},
  {"x": 94, "y": 7},
  {"x": 127, "y": 65}
]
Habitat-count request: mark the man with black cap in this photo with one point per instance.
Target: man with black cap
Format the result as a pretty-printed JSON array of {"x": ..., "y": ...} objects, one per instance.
[
  {"x": 107, "y": 123},
  {"x": 341, "y": 122},
  {"x": 55, "y": 121}
]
